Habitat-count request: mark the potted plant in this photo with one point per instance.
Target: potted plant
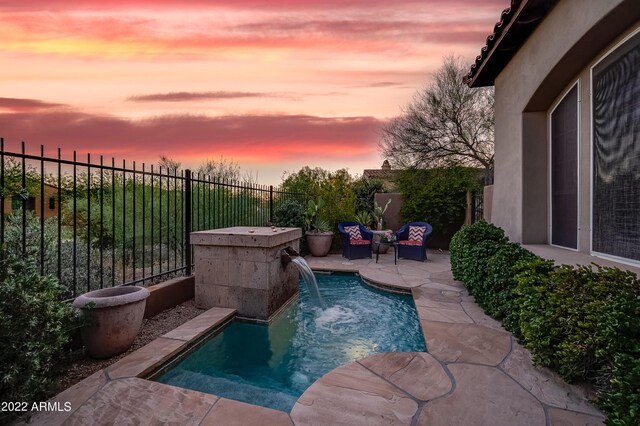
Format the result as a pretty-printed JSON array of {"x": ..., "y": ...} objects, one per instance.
[
  {"x": 113, "y": 319},
  {"x": 319, "y": 235}
]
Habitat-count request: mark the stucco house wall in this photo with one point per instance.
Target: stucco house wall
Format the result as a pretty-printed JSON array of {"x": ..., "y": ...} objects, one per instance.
[{"x": 573, "y": 36}]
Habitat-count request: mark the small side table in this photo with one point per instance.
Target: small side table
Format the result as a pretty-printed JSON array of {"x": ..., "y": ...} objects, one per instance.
[
  {"x": 395, "y": 251},
  {"x": 377, "y": 235}
]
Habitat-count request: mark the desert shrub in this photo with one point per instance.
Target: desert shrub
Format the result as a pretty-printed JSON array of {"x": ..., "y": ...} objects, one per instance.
[
  {"x": 34, "y": 326},
  {"x": 437, "y": 196},
  {"x": 471, "y": 248},
  {"x": 289, "y": 213},
  {"x": 85, "y": 279}
]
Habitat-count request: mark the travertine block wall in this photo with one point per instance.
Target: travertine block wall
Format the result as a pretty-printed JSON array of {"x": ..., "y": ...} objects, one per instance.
[{"x": 239, "y": 269}]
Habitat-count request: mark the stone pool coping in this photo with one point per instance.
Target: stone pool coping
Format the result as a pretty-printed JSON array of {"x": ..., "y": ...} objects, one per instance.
[{"x": 474, "y": 372}]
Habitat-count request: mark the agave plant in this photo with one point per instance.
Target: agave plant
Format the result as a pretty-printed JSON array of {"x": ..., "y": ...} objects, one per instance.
[
  {"x": 312, "y": 217},
  {"x": 364, "y": 218}
]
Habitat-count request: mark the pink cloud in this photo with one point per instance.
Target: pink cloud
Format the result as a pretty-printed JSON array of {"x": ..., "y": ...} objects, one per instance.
[
  {"x": 23, "y": 105},
  {"x": 264, "y": 138},
  {"x": 48, "y": 5},
  {"x": 199, "y": 96},
  {"x": 122, "y": 34}
]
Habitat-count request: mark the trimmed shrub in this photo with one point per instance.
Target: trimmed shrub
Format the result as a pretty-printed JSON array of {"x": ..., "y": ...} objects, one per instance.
[
  {"x": 470, "y": 248},
  {"x": 34, "y": 326},
  {"x": 577, "y": 319},
  {"x": 495, "y": 292},
  {"x": 623, "y": 401}
]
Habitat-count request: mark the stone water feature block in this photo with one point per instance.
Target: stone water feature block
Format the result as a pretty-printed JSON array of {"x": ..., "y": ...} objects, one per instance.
[{"x": 238, "y": 269}]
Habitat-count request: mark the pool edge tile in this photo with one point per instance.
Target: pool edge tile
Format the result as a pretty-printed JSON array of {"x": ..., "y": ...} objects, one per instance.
[
  {"x": 201, "y": 324},
  {"x": 146, "y": 359}
]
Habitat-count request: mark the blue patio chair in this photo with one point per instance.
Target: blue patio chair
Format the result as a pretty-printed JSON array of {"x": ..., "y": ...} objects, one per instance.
[
  {"x": 412, "y": 240},
  {"x": 355, "y": 246}
]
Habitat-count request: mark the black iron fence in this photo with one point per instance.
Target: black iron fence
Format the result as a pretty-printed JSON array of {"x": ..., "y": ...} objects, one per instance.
[
  {"x": 95, "y": 224},
  {"x": 477, "y": 205}
]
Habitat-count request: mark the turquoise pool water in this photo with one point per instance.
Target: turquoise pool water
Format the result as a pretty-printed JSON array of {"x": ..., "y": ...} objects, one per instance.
[{"x": 273, "y": 365}]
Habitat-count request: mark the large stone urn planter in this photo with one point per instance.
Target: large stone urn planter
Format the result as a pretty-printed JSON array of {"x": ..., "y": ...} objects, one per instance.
[
  {"x": 113, "y": 319},
  {"x": 319, "y": 243}
]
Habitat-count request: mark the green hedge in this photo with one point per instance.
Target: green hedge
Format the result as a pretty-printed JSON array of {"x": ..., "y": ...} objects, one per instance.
[
  {"x": 584, "y": 322},
  {"x": 34, "y": 326},
  {"x": 437, "y": 196}
]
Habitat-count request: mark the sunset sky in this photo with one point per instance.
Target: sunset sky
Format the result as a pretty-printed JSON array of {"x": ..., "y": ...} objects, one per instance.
[{"x": 273, "y": 85}]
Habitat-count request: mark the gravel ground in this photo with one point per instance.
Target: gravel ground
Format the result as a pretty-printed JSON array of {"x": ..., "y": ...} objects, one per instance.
[{"x": 78, "y": 365}]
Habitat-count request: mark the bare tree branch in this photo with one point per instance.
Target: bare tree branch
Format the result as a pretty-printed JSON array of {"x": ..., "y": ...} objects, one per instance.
[{"x": 446, "y": 123}]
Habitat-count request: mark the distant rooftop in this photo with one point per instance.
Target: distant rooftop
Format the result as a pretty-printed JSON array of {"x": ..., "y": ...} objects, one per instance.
[{"x": 382, "y": 173}]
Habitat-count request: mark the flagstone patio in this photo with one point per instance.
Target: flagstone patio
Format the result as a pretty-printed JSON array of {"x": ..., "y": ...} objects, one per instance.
[{"x": 474, "y": 372}]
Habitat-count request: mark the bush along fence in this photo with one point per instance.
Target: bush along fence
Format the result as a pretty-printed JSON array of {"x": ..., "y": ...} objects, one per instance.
[
  {"x": 583, "y": 322},
  {"x": 93, "y": 225}
]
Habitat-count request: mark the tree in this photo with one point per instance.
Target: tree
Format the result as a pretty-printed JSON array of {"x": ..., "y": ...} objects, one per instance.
[
  {"x": 169, "y": 165},
  {"x": 446, "y": 123},
  {"x": 225, "y": 170}
]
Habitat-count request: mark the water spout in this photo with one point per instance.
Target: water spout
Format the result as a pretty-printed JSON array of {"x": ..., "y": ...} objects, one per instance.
[
  {"x": 309, "y": 279},
  {"x": 287, "y": 255}
]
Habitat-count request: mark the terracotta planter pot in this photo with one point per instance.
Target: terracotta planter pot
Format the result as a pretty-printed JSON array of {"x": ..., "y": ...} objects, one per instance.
[
  {"x": 319, "y": 243},
  {"x": 114, "y": 316}
]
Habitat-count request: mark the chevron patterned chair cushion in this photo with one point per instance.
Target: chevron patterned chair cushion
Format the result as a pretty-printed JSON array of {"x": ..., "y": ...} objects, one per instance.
[
  {"x": 416, "y": 232},
  {"x": 354, "y": 233}
]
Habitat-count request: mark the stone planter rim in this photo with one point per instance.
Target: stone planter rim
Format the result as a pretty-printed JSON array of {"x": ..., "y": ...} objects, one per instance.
[{"x": 109, "y": 297}]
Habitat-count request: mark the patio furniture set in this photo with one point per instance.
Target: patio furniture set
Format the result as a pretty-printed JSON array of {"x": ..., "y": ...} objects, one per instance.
[{"x": 409, "y": 242}]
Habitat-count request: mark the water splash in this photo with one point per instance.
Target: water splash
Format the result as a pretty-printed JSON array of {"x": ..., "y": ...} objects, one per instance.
[
  {"x": 309, "y": 279},
  {"x": 335, "y": 317}
]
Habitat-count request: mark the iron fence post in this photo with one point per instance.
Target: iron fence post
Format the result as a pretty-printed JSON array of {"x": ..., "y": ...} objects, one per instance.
[
  {"x": 271, "y": 204},
  {"x": 187, "y": 220}
]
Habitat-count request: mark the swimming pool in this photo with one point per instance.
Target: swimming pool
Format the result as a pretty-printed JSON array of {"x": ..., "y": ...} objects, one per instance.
[{"x": 273, "y": 365}]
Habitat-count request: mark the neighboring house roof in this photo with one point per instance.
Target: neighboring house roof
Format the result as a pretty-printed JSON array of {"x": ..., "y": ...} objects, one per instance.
[
  {"x": 380, "y": 174},
  {"x": 510, "y": 32},
  {"x": 383, "y": 173}
]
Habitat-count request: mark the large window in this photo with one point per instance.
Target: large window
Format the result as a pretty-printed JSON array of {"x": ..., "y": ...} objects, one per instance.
[
  {"x": 616, "y": 152},
  {"x": 564, "y": 171}
]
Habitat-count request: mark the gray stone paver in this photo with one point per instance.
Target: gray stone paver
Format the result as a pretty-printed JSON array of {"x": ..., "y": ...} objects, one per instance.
[
  {"x": 483, "y": 396},
  {"x": 455, "y": 314},
  {"x": 352, "y": 395},
  {"x": 137, "y": 401},
  {"x": 235, "y": 413},
  {"x": 546, "y": 385},
  {"x": 572, "y": 418},
  {"x": 474, "y": 372},
  {"x": 76, "y": 395},
  {"x": 402, "y": 368},
  {"x": 461, "y": 342}
]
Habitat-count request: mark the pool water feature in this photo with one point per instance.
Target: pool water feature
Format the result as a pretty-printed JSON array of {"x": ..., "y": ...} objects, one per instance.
[
  {"x": 273, "y": 365},
  {"x": 309, "y": 279}
]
